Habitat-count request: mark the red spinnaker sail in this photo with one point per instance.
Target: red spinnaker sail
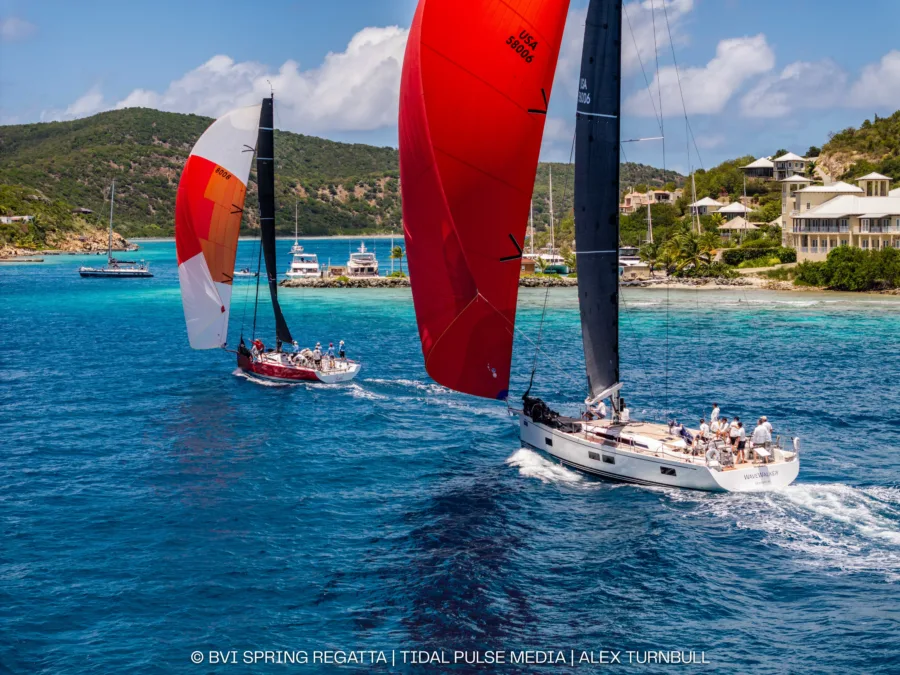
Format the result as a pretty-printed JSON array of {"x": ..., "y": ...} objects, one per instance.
[
  {"x": 476, "y": 82},
  {"x": 208, "y": 210}
]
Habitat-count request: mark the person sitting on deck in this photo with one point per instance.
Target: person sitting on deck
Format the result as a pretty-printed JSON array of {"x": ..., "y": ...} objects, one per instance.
[
  {"x": 722, "y": 429},
  {"x": 596, "y": 411},
  {"x": 702, "y": 438},
  {"x": 624, "y": 412}
]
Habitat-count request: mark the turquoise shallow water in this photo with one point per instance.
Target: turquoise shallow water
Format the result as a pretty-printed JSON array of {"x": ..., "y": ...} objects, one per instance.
[{"x": 153, "y": 503}]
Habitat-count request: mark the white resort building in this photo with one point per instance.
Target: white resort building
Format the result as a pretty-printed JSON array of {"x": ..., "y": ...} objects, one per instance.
[{"x": 822, "y": 217}]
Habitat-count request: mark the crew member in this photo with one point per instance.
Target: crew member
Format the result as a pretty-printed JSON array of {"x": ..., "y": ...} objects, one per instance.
[{"x": 341, "y": 353}]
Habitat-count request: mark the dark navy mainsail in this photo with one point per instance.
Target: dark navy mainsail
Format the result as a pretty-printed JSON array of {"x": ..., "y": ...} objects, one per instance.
[
  {"x": 597, "y": 192},
  {"x": 265, "y": 174}
]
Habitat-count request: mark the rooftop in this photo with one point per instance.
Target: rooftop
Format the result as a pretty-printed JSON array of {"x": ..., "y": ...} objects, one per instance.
[
  {"x": 706, "y": 201},
  {"x": 796, "y": 179},
  {"x": 738, "y": 223},
  {"x": 761, "y": 163},
  {"x": 851, "y": 205},
  {"x": 734, "y": 207},
  {"x": 873, "y": 176},
  {"x": 790, "y": 157},
  {"x": 834, "y": 188}
]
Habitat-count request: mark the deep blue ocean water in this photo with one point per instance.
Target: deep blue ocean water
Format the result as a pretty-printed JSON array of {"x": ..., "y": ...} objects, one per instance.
[{"x": 154, "y": 503}]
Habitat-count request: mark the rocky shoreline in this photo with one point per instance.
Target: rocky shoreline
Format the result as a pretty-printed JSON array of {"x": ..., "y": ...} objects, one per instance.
[{"x": 70, "y": 244}]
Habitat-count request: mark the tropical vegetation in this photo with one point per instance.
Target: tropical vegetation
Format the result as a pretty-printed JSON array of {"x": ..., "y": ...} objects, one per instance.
[{"x": 853, "y": 269}]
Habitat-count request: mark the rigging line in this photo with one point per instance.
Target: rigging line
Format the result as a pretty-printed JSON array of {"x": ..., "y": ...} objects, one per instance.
[
  {"x": 643, "y": 70},
  {"x": 680, "y": 90},
  {"x": 258, "y": 274},
  {"x": 662, "y": 117},
  {"x": 537, "y": 347},
  {"x": 246, "y": 297}
]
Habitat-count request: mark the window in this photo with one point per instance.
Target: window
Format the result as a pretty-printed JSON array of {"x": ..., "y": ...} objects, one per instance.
[
  {"x": 594, "y": 456},
  {"x": 607, "y": 459},
  {"x": 666, "y": 471},
  {"x": 865, "y": 243},
  {"x": 845, "y": 242},
  {"x": 807, "y": 206},
  {"x": 549, "y": 441},
  {"x": 525, "y": 422}
]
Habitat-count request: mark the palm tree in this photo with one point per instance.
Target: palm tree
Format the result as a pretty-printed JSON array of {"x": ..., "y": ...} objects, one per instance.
[
  {"x": 649, "y": 253},
  {"x": 397, "y": 253},
  {"x": 689, "y": 252},
  {"x": 542, "y": 264}
]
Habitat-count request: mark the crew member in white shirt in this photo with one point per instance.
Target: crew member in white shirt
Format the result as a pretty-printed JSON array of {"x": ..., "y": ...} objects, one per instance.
[
  {"x": 766, "y": 424},
  {"x": 714, "y": 415},
  {"x": 761, "y": 436},
  {"x": 624, "y": 412}
]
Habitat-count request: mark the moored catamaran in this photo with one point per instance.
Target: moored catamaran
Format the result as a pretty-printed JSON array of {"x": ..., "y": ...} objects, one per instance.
[
  {"x": 208, "y": 212},
  {"x": 472, "y": 114}
]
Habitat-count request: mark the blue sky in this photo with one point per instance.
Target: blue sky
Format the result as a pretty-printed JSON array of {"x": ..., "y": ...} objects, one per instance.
[{"x": 758, "y": 74}]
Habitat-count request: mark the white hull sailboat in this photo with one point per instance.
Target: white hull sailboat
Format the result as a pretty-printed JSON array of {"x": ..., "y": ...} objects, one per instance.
[
  {"x": 648, "y": 454},
  {"x": 116, "y": 269},
  {"x": 464, "y": 285}
]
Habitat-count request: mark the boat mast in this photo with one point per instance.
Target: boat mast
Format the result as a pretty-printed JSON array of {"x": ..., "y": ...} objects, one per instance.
[
  {"x": 112, "y": 201},
  {"x": 649, "y": 223},
  {"x": 296, "y": 239},
  {"x": 552, "y": 240},
  {"x": 531, "y": 221},
  {"x": 695, "y": 210}
]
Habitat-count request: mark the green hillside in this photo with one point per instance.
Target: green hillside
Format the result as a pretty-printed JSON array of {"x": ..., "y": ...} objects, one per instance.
[
  {"x": 874, "y": 146},
  {"x": 338, "y": 187}
]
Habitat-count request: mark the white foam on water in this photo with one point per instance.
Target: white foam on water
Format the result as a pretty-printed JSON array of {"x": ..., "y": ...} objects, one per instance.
[
  {"x": 265, "y": 383},
  {"x": 832, "y": 526},
  {"x": 428, "y": 387},
  {"x": 533, "y": 465}
]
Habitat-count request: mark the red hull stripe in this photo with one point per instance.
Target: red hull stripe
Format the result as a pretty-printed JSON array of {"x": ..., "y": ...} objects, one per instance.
[
  {"x": 474, "y": 89},
  {"x": 276, "y": 372}
]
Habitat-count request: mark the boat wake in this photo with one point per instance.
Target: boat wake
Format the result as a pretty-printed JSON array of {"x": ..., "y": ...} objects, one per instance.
[
  {"x": 353, "y": 389},
  {"x": 533, "y": 465},
  {"x": 265, "y": 383},
  {"x": 832, "y": 526},
  {"x": 427, "y": 387}
]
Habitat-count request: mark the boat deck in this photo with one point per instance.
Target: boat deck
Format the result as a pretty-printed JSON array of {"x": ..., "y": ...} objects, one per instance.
[{"x": 656, "y": 440}]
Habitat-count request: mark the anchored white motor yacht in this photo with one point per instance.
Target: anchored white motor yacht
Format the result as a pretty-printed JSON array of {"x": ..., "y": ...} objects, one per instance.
[
  {"x": 303, "y": 265},
  {"x": 362, "y": 263}
]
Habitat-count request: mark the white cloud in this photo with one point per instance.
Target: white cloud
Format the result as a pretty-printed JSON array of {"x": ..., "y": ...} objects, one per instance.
[
  {"x": 357, "y": 89},
  {"x": 801, "y": 84},
  {"x": 638, "y": 43},
  {"x": 879, "y": 83},
  {"x": 707, "y": 89},
  {"x": 12, "y": 29}
]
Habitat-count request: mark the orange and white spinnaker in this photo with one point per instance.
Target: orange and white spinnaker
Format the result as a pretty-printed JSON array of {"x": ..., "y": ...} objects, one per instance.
[{"x": 208, "y": 213}]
